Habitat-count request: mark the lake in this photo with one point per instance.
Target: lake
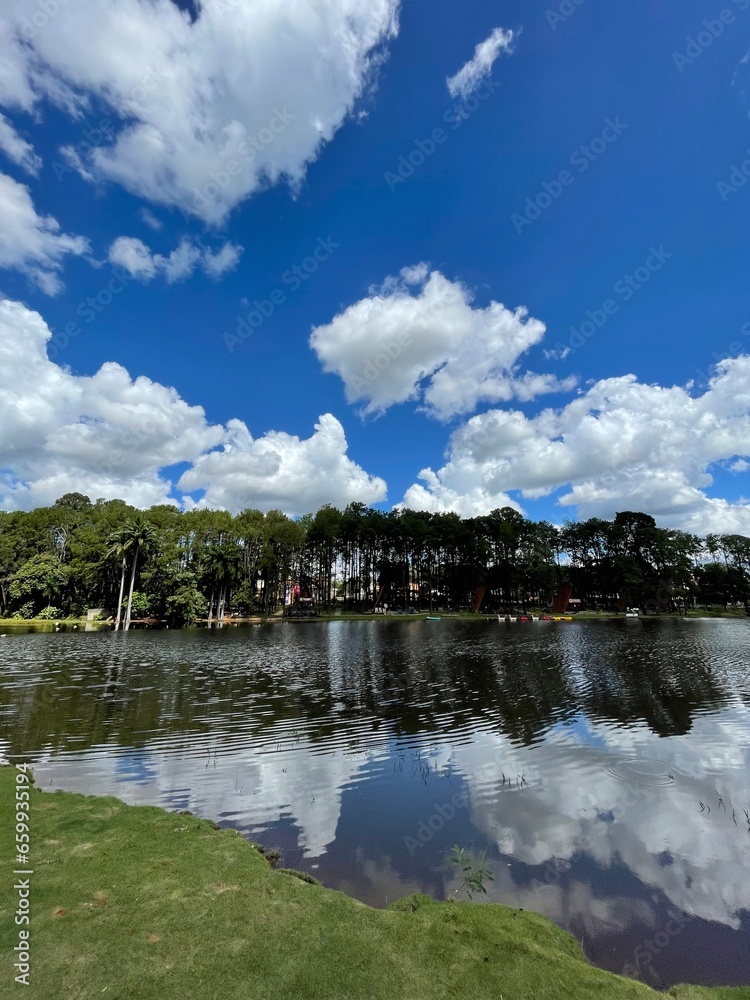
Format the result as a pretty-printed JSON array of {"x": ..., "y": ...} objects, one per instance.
[{"x": 604, "y": 767}]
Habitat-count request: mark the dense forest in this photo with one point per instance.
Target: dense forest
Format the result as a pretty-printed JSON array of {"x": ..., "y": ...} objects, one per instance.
[{"x": 180, "y": 567}]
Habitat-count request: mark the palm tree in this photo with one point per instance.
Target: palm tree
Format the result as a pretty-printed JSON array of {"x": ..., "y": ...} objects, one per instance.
[
  {"x": 223, "y": 566},
  {"x": 138, "y": 535},
  {"x": 117, "y": 547}
]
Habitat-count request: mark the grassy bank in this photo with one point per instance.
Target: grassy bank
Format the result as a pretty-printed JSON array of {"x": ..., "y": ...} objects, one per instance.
[
  {"x": 470, "y": 616},
  {"x": 477, "y": 616},
  {"x": 49, "y": 623},
  {"x": 45, "y": 621},
  {"x": 137, "y": 902},
  {"x": 73, "y": 624}
]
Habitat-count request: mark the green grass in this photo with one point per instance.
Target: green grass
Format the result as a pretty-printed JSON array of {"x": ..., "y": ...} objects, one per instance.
[
  {"x": 717, "y": 613},
  {"x": 134, "y": 902},
  {"x": 47, "y": 622},
  {"x": 48, "y": 625},
  {"x": 476, "y": 616},
  {"x": 43, "y": 621}
]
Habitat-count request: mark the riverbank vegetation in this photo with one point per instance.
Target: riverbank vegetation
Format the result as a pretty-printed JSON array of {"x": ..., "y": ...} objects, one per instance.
[
  {"x": 134, "y": 901},
  {"x": 178, "y": 567}
]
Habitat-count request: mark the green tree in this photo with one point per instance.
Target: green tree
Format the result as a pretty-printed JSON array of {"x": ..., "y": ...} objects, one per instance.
[
  {"x": 186, "y": 605},
  {"x": 40, "y": 577},
  {"x": 138, "y": 536},
  {"x": 74, "y": 501},
  {"x": 118, "y": 548}
]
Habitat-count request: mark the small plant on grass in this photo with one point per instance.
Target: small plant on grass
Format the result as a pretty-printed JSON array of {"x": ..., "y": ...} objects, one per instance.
[
  {"x": 473, "y": 869},
  {"x": 273, "y": 856},
  {"x": 48, "y": 613}
]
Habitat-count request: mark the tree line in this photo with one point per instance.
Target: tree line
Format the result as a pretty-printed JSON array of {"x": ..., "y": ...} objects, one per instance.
[{"x": 179, "y": 567}]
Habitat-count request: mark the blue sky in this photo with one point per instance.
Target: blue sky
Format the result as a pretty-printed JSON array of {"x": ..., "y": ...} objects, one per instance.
[{"x": 582, "y": 145}]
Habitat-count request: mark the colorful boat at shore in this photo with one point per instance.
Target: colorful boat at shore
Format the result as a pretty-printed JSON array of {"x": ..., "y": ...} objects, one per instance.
[
  {"x": 518, "y": 618},
  {"x": 535, "y": 618}
]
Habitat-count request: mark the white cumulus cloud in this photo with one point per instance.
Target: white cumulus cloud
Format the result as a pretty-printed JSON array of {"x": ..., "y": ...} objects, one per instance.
[
  {"x": 418, "y": 337},
  {"x": 225, "y": 259},
  {"x": 282, "y": 471},
  {"x": 31, "y": 243},
  {"x": 211, "y": 108},
  {"x": 18, "y": 149},
  {"x": 620, "y": 445},
  {"x": 135, "y": 257},
  {"x": 479, "y": 67},
  {"x": 109, "y": 435}
]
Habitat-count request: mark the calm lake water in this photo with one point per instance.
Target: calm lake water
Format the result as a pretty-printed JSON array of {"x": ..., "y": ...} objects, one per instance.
[{"x": 603, "y": 766}]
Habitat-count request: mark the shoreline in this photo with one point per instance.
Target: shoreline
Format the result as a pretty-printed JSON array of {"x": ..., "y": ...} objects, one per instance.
[
  {"x": 166, "y": 905},
  {"x": 84, "y": 625}
]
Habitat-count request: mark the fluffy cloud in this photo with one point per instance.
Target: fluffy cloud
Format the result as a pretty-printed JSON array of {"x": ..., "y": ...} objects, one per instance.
[
  {"x": 418, "y": 337},
  {"x": 226, "y": 259},
  {"x": 282, "y": 471},
  {"x": 108, "y": 435},
  {"x": 620, "y": 445},
  {"x": 214, "y": 107},
  {"x": 17, "y": 149},
  {"x": 479, "y": 67},
  {"x": 135, "y": 257},
  {"x": 33, "y": 243}
]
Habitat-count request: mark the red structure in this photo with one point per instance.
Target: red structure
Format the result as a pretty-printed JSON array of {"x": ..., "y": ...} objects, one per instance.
[
  {"x": 479, "y": 593},
  {"x": 562, "y": 597}
]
